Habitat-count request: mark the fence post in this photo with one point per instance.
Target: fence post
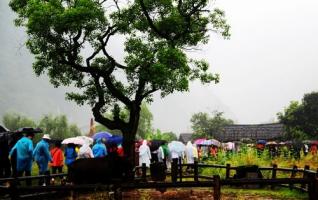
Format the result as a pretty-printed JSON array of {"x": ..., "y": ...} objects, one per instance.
[
  {"x": 227, "y": 173},
  {"x": 180, "y": 169},
  {"x": 118, "y": 194},
  {"x": 196, "y": 173},
  {"x": 312, "y": 186},
  {"x": 305, "y": 175},
  {"x": 274, "y": 171},
  {"x": 292, "y": 175},
  {"x": 13, "y": 189},
  {"x": 216, "y": 188},
  {"x": 174, "y": 170},
  {"x": 144, "y": 171}
]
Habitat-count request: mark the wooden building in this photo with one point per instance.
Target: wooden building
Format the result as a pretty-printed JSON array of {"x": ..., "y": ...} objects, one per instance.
[{"x": 251, "y": 131}]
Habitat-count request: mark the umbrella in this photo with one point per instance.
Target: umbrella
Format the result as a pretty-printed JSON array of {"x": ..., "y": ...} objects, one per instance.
[
  {"x": 86, "y": 139},
  {"x": 314, "y": 142},
  {"x": 3, "y": 129},
  {"x": 271, "y": 143},
  {"x": 215, "y": 142},
  {"x": 155, "y": 144},
  {"x": 261, "y": 142},
  {"x": 199, "y": 141},
  {"x": 101, "y": 135},
  {"x": 176, "y": 146},
  {"x": 29, "y": 130},
  {"x": 115, "y": 139},
  {"x": 73, "y": 140}
]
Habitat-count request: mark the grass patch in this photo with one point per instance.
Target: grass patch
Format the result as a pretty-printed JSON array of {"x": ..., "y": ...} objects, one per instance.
[{"x": 282, "y": 193}]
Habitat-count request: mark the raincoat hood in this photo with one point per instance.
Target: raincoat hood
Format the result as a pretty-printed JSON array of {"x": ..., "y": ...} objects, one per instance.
[
  {"x": 143, "y": 148},
  {"x": 99, "y": 140},
  {"x": 189, "y": 144}
]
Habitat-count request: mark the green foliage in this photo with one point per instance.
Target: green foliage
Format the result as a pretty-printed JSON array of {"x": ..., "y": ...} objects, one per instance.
[
  {"x": 301, "y": 119},
  {"x": 205, "y": 126},
  {"x": 168, "y": 136},
  {"x": 145, "y": 122},
  {"x": 249, "y": 156},
  {"x": 156, "y": 32},
  {"x": 58, "y": 127},
  {"x": 14, "y": 121}
]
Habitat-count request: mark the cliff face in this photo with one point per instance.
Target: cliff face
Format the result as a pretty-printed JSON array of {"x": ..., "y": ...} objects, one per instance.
[{"x": 20, "y": 90}]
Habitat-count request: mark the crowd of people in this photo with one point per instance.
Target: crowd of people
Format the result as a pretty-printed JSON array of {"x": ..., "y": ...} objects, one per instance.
[
  {"x": 49, "y": 154},
  {"x": 164, "y": 154}
]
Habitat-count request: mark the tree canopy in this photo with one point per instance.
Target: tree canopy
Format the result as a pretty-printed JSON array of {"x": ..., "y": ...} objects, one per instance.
[
  {"x": 301, "y": 118},
  {"x": 208, "y": 126},
  {"x": 157, "y": 34},
  {"x": 158, "y": 135}
]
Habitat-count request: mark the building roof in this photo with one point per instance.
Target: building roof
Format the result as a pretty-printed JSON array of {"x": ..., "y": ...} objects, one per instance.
[
  {"x": 185, "y": 137},
  {"x": 252, "y": 131}
]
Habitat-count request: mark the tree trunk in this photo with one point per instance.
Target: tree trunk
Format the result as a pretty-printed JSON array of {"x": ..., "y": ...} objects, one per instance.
[{"x": 129, "y": 146}]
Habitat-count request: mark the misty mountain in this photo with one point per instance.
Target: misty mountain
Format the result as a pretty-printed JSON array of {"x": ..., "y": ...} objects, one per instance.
[{"x": 20, "y": 90}]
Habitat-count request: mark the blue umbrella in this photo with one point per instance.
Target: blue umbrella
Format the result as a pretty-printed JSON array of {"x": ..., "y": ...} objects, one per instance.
[
  {"x": 117, "y": 139},
  {"x": 101, "y": 135},
  {"x": 261, "y": 142}
]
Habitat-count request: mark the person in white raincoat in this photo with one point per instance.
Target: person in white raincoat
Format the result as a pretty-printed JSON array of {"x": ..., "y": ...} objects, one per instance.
[
  {"x": 144, "y": 154},
  {"x": 85, "y": 151},
  {"x": 189, "y": 153}
]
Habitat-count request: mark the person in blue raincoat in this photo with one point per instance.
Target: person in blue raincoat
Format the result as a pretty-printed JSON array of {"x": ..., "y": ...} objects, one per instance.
[
  {"x": 42, "y": 156},
  {"x": 99, "y": 149},
  {"x": 23, "y": 150},
  {"x": 70, "y": 154}
]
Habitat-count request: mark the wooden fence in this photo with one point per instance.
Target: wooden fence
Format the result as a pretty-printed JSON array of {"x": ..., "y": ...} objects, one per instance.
[{"x": 308, "y": 181}]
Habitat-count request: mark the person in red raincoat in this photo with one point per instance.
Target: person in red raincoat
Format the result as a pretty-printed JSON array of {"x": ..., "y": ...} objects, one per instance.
[
  {"x": 120, "y": 150},
  {"x": 57, "y": 158}
]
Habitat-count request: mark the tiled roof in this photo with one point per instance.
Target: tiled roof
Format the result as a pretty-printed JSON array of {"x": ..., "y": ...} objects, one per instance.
[
  {"x": 185, "y": 137},
  {"x": 252, "y": 131}
]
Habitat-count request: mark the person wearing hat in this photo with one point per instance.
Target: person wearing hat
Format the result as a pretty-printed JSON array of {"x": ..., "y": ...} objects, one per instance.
[
  {"x": 42, "y": 156},
  {"x": 23, "y": 151}
]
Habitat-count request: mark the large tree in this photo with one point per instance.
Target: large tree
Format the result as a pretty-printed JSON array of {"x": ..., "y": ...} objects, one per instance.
[
  {"x": 144, "y": 125},
  {"x": 301, "y": 119},
  {"x": 205, "y": 125},
  {"x": 157, "y": 34}
]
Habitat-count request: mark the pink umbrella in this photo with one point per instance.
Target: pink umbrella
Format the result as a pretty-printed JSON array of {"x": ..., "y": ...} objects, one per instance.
[
  {"x": 199, "y": 141},
  {"x": 73, "y": 140}
]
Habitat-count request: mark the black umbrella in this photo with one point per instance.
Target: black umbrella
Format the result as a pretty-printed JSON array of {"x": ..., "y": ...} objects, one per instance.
[
  {"x": 29, "y": 130},
  {"x": 3, "y": 129}
]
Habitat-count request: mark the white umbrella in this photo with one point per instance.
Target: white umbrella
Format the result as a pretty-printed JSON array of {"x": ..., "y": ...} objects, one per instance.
[
  {"x": 86, "y": 139},
  {"x": 73, "y": 140},
  {"x": 177, "y": 147}
]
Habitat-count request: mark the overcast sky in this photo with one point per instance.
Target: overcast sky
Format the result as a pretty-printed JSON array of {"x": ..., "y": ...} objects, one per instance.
[{"x": 269, "y": 61}]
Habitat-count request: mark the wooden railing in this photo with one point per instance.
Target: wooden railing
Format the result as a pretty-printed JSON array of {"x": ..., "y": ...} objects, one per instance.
[{"x": 308, "y": 181}]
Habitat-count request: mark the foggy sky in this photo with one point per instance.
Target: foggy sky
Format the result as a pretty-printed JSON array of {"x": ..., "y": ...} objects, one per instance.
[{"x": 269, "y": 61}]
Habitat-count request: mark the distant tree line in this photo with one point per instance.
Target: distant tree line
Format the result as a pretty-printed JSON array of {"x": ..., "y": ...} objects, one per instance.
[
  {"x": 207, "y": 125},
  {"x": 301, "y": 118},
  {"x": 58, "y": 127}
]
